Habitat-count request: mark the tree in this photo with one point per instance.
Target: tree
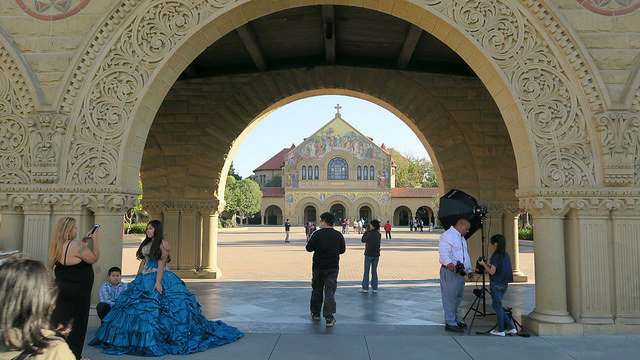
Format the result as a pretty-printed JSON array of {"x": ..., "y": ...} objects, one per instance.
[
  {"x": 276, "y": 181},
  {"x": 414, "y": 172},
  {"x": 242, "y": 197},
  {"x": 232, "y": 172},
  {"x": 134, "y": 213}
]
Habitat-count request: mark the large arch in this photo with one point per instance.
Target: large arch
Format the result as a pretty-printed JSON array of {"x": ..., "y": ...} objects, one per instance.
[{"x": 549, "y": 106}]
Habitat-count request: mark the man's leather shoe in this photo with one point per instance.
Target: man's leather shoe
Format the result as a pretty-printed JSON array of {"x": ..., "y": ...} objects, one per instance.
[
  {"x": 453, "y": 328},
  {"x": 462, "y": 325}
]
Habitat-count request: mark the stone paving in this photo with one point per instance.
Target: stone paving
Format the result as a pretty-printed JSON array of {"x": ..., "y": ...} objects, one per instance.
[{"x": 265, "y": 293}]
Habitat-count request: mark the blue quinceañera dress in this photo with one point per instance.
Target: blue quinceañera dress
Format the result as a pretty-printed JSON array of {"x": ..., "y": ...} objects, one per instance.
[{"x": 145, "y": 322}]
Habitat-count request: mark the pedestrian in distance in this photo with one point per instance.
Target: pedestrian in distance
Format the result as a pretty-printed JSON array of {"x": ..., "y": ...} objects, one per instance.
[
  {"x": 71, "y": 261},
  {"x": 371, "y": 238},
  {"x": 110, "y": 291},
  {"x": 287, "y": 228},
  {"x": 387, "y": 230},
  {"x": 326, "y": 244},
  {"x": 500, "y": 274},
  {"x": 27, "y": 297},
  {"x": 411, "y": 224}
]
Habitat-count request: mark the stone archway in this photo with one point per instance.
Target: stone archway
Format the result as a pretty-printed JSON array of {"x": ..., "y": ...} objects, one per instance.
[
  {"x": 565, "y": 157},
  {"x": 401, "y": 216},
  {"x": 273, "y": 215}
]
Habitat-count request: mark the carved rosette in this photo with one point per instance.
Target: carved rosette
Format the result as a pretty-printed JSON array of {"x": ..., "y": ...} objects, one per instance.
[
  {"x": 546, "y": 92},
  {"x": 619, "y": 134}
]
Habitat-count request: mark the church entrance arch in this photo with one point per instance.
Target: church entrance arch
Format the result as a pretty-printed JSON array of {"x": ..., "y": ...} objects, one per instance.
[
  {"x": 273, "y": 215},
  {"x": 310, "y": 214},
  {"x": 365, "y": 213},
  {"x": 338, "y": 212},
  {"x": 401, "y": 216}
]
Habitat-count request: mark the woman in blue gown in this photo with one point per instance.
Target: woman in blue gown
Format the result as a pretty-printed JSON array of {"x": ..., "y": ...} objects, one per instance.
[{"x": 157, "y": 315}]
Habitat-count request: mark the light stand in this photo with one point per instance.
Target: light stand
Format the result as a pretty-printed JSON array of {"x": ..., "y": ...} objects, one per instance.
[{"x": 482, "y": 292}]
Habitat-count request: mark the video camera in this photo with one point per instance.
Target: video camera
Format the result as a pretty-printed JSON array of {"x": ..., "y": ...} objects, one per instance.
[{"x": 479, "y": 267}]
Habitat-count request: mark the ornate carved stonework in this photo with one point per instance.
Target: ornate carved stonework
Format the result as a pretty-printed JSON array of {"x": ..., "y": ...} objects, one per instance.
[
  {"x": 610, "y": 7},
  {"x": 548, "y": 92},
  {"x": 45, "y": 140},
  {"x": 619, "y": 133},
  {"x": 97, "y": 202},
  {"x": 203, "y": 206}
]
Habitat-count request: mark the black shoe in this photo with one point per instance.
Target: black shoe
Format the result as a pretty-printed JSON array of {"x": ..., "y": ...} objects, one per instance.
[
  {"x": 330, "y": 321},
  {"x": 454, "y": 328},
  {"x": 315, "y": 316},
  {"x": 462, "y": 325}
]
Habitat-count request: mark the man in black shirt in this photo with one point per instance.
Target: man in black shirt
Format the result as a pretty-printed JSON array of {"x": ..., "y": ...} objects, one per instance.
[
  {"x": 287, "y": 228},
  {"x": 326, "y": 244}
]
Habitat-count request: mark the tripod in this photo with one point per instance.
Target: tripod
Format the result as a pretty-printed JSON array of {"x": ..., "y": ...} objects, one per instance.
[{"x": 479, "y": 293}]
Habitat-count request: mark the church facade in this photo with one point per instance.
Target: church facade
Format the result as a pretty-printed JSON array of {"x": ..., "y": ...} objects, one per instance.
[{"x": 342, "y": 171}]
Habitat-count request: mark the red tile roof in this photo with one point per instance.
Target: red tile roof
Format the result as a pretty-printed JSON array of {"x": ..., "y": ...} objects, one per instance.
[
  {"x": 414, "y": 192},
  {"x": 272, "y": 191},
  {"x": 277, "y": 161}
]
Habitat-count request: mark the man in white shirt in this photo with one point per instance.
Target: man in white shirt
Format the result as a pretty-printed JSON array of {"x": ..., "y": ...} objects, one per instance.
[{"x": 453, "y": 249}]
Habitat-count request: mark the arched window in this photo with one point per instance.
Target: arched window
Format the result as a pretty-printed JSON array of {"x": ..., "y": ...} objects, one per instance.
[
  {"x": 359, "y": 175},
  {"x": 338, "y": 169},
  {"x": 304, "y": 173},
  {"x": 317, "y": 172},
  {"x": 366, "y": 173},
  {"x": 310, "y": 173},
  {"x": 372, "y": 174}
]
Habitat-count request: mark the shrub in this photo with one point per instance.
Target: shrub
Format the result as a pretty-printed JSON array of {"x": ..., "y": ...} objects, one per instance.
[
  {"x": 525, "y": 233},
  {"x": 137, "y": 228},
  {"x": 225, "y": 223}
]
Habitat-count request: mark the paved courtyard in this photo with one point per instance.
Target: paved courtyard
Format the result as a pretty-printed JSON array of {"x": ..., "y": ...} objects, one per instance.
[{"x": 265, "y": 293}]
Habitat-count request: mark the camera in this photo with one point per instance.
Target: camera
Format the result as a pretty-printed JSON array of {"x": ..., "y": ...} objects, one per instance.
[
  {"x": 480, "y": 210},
  {"x": 479, "y": 267},
  {"x": 460, "y": 268}
]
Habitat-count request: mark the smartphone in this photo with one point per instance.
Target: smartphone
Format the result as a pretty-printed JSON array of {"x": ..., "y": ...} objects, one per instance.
[{"x": 95, "y": 227}]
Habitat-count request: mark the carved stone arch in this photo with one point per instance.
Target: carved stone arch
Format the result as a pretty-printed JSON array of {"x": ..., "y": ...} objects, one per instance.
[
  {"x": 485, "y": 39},
  {"x": 22, "y": 81},
  {"x": 371, "y": 203},
  {"x": 306, "y": 201},
  {"x": 338, "y": 199}
]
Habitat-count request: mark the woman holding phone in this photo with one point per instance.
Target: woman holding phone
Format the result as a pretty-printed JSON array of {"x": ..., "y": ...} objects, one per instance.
[
  {"x": 72, "y": 261},
  {"x": 371, "y": 238}
]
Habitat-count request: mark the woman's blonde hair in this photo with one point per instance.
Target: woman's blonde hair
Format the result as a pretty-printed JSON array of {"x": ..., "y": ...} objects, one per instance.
[
  {"x": 27, "y": 297},
  {"x": 64, "y": 226}
]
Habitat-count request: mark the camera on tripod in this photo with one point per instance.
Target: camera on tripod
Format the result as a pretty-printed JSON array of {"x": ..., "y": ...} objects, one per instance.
[
  {"x": 479, "y": 267},
  {"x": 460, "y": 268},
  {"x": 480, "y": 210}
]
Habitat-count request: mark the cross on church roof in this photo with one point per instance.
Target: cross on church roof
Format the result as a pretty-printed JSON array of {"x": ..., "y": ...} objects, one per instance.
[{"x": 338, "y": 107}]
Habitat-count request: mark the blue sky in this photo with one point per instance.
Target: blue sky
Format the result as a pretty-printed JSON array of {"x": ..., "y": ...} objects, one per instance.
[{"x": 299, "y": 119}]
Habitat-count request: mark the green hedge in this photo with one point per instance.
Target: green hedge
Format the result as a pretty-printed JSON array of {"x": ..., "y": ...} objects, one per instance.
[
  {"x": 225, "y": 223},
  {"x": 525, "y": 233},
  {"x": 137, "y": 228}
]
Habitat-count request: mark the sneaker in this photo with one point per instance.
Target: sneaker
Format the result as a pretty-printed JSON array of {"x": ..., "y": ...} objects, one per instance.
[
  {"x": 496, "y": 332},
  {"x": 330, "y": 321},
  {"x": 315, "y": 317},
  {"x": 511, "y": 332},
  {"x": 374, "y": 291},
  {"x": 363, "y": 291}
]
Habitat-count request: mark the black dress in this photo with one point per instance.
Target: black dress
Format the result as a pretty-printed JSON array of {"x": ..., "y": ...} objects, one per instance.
[{"x": 74, "y": 298}]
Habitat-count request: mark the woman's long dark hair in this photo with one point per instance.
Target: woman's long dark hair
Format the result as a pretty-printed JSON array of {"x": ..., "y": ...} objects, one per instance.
[
  {"x": 502, "y": 244},
  {"x": 27, "y": 297},
  {"x": 376, "y": 224},
  {"x": 156, "y": 250}
]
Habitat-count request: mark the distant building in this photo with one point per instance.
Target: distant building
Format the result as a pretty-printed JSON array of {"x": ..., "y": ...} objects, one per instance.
[{"x": 342, "y": 171}]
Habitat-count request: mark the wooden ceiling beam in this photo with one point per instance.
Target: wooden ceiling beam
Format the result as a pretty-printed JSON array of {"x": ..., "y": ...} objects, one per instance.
[
  {"x": 410, "y": 42},
  {"x": 329, "y": 33},
  {"x": 250, "y": 43}
]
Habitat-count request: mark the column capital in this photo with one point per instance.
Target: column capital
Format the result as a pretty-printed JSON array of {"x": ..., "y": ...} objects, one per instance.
[
  {"x": 544, "y": 207},
  {"x": 504, "y": 207},
  {"x": 212, "y": 206}
]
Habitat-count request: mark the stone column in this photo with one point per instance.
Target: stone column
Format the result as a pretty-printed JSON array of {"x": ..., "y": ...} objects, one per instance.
[
  {"x": 550, "y": 313},
  {"x": 37, "y": 227},
  {"x": 626, "y": 252},
  {"x": 110, "y": 243},
  {"x": 510, "y": 229},
  {"x": 11, "y": 228},
  {"x": 189, "y": 239},
  {"x": 209, "y": 267},
  {"x": 171, "y": 228},
  {"x": 589, "y": 254}
]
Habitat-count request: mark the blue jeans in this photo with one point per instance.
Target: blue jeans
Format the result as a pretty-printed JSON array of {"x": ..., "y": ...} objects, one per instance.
[
  {"x": 497, "y": 293},
  {"x": 370, "y": 262}
]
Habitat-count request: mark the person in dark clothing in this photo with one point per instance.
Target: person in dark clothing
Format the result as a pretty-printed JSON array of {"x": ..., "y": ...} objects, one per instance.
[
  {"x": 501, "y": 274},
  {"x": 371, "y": 238},
  {"x": 71, "y": 261},
  {"x": 287, "y": 228},
  {"x": 326, "y": 244}
]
